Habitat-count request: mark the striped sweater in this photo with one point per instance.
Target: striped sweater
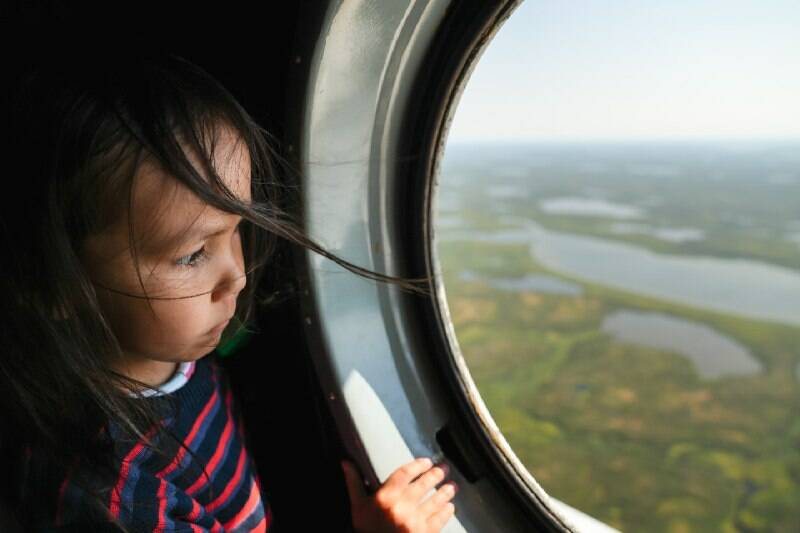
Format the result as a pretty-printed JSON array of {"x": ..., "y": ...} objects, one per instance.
[{"x": 169, "y": 492}]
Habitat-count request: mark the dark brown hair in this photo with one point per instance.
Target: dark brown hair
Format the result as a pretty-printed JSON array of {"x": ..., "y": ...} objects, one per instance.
[{"x": 79, "y": 128}]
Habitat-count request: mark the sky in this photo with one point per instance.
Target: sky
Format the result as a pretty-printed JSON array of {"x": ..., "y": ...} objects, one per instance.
[{"x": 569, "y": 70}]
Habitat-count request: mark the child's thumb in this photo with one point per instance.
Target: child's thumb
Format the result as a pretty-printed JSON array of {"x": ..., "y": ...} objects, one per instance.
[{"x": 355, "y": 486}]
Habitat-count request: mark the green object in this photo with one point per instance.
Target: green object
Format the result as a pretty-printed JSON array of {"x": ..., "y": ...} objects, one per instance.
[{"x": 236, "y": 342}]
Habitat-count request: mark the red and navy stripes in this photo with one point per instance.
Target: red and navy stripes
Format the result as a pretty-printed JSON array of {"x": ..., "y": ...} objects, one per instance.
[{"x": 206, "y": 483}]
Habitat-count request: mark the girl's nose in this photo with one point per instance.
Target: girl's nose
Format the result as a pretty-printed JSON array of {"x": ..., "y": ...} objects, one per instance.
[
  {"x": 235, "y": 278},
  {"x": 235, "y": 281}
]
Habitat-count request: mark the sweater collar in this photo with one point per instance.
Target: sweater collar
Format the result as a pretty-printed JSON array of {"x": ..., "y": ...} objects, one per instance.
[{"x": 179, "y": 379}]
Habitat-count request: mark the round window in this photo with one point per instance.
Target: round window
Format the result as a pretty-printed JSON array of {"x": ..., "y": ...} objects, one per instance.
[{"x": 617, "y": 224}]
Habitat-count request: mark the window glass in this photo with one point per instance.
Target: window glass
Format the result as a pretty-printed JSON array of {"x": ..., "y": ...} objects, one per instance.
[{"x": 617, "y": 222}]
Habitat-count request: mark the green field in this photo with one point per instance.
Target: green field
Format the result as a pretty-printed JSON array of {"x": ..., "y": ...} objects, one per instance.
[{"x": 633, "y": 436}]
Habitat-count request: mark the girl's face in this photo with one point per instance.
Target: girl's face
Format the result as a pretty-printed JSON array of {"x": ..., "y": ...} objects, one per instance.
[{"x": 190, "y": 254}]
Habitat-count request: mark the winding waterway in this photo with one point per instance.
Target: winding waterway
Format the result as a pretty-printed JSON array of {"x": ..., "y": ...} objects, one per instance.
[
  {"x": 741, "y": 287},
  {"x": 737, "y": 286}
]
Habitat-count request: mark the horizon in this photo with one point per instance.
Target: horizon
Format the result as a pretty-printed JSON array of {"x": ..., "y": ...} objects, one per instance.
[
  {"x": 616, "y": 71},
  {"x": 627, "y": 140}
]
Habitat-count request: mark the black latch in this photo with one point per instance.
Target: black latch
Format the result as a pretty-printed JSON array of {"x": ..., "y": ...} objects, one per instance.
[{"x": 453, "y": 442}]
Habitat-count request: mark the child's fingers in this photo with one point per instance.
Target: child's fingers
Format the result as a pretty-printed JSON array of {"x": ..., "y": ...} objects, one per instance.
[
  {"x": 426, "y": 482},
  {"x": 438, "y": 520},
  {"x": 438, "y": 500},
  {"x": 403, "y": 475}
]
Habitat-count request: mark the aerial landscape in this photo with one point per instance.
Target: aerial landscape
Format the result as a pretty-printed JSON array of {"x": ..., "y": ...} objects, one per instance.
[{"x": 630, "y": 313}]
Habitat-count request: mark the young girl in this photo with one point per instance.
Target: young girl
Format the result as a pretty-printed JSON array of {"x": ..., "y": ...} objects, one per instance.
[{"x": 146, "y": 206}]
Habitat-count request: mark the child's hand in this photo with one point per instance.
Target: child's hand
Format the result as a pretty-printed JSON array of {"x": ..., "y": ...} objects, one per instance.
[{"x": 396, "y": 506}]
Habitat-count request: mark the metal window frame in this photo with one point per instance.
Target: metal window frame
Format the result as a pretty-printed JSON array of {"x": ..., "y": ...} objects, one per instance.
[{"x": 377, "y": 89}]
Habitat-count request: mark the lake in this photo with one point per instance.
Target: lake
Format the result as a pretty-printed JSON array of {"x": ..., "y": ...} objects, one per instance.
[
  {"x": 531, "y": 282},
  {"x": 737, "y": 286},
  {"x": 713, "y": 354},
  {"x": 596, "y": 207}
]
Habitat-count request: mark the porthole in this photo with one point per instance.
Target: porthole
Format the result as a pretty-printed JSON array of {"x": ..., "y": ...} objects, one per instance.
[
  {"x": 375, "y": 69},
  {"x": 617, "y": 228}
]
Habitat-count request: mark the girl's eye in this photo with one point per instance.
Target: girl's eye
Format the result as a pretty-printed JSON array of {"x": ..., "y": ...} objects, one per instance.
[{"x": 194, "y": 259}]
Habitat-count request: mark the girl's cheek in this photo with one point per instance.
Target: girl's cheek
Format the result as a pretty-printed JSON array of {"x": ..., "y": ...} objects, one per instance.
[{"x": 179, "y": 282}]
